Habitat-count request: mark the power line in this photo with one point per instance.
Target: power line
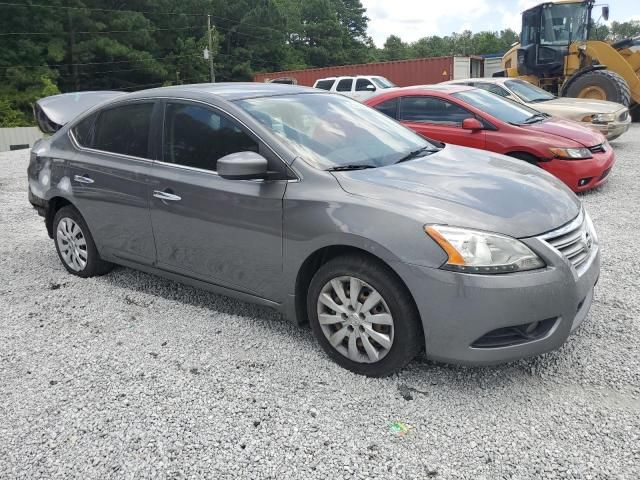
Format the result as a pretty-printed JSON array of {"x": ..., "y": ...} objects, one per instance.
[
  {"x": 102, "y": 32},
  {"x": 33, "y": 5},
  {"x": 144, "y": 12},
  {"x": 101, "y": 63}
]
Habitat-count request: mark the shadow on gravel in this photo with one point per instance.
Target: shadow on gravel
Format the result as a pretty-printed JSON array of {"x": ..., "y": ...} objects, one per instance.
[
  {"x": 412, "y": 379},
  {"x": 141, "y": 282}
]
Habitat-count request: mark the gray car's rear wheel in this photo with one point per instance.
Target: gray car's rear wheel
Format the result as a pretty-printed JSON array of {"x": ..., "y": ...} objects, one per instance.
[
  {"x": 363, "y": 316},
  {"x": 75, "y": 245}
]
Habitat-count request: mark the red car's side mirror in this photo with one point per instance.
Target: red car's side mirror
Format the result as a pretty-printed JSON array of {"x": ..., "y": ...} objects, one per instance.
[{"x": 472, "y": 124}]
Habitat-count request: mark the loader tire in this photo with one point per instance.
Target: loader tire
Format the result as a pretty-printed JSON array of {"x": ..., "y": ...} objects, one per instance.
[{"x": 600, "y": 85}]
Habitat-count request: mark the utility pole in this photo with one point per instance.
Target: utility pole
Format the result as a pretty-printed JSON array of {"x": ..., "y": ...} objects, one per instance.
[{"x": 213, "y": 75}]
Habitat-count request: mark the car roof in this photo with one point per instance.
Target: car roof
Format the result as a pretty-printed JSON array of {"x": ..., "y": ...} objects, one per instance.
[
  {"x": 480, "y": 79},
  {"x": 229, "y": 91},
  {"x": 442, "y": 88},
  {"x": 349, "y": 76}
]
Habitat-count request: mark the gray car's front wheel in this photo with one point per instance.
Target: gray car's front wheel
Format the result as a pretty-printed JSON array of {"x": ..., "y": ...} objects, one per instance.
[
  {"x": 75, "y": 245},
  {"x": 363, "y": 316}
]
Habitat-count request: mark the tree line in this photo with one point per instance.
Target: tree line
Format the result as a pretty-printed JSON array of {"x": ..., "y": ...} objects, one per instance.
[{"x": 76, "y": 45}]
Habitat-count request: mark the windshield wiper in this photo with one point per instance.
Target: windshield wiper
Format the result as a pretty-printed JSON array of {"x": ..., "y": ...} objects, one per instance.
[
  {"x": 417, "y": 153},
  {"x": 346, "y": 168},
  {"x": 538, "y": 117}
]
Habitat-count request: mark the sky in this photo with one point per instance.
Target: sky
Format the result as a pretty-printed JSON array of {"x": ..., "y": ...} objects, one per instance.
[{"x": 414, "y": 19}]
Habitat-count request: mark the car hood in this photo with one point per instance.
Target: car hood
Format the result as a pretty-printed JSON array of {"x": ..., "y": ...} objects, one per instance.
[
  {"x": 576, "y": 108},
  {"x": 567, "y": 129},
  {"x": 470, "y": 188}
]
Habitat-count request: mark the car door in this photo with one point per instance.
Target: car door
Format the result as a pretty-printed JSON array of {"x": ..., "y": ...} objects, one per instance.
[
  {"x": 363, "y": 89},
  {"x": 109, "y": 179},
  {"x": 439, "y": 119},
  {"x": 226, "y": 232}
]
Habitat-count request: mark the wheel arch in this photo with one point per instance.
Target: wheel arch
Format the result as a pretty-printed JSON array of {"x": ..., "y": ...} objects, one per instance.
[
  {"x": 319, "y": 257},
  {"x": 524, "y": 155},
  {"x": 55, "y": 204}
]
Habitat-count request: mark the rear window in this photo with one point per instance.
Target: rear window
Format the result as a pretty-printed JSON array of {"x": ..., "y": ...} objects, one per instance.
[
  {"x": 389, "y": 108},
  {"x": 83, "y": 131},
  {"x": 325, "y": 84},
  {"x": 344, "y": 85}
]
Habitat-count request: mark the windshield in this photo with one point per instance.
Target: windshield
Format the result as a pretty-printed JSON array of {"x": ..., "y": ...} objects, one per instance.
[
  {"x": 498, "y": 107},
  {"x": 382, "y": 82},
  {"x": 528, "y": 92},
  {"x": 562, "y": 24},
  {"x": 330, "y": 131}
]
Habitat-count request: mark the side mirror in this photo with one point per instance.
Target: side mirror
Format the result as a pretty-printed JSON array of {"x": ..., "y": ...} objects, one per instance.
[
  {"x": 472, "y": 124},
  {"x": 242, "y": 166},
  {"x": 370, "y": 88},
  {"x": 605, "y": 12}
]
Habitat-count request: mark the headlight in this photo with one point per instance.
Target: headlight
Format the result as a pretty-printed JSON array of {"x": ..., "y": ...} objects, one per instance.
[
  {"x": 590, "y": 228},
  {"x": 571, "y": 153},
  {"x": 603, "y": 117},
  {"x": 473, "y": 251}
]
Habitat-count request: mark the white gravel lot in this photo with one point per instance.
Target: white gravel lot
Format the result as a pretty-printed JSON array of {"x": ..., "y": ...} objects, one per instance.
[{"x": 133, "y": 376}]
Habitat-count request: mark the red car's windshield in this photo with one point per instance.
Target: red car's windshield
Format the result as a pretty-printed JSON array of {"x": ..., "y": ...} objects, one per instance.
[{"x": 498, "y": 107}]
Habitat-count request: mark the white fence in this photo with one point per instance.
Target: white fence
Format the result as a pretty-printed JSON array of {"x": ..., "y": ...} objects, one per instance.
[{"x": 18, "y": 137}]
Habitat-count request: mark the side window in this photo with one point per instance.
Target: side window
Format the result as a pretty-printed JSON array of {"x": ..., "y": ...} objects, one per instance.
[
  {"x": 83, "y": 131},
  {"x": 364, "y": 85},
  {"x": 325, "y": 84},
  {"x": 433, "y": 110},
  {"x": 344, "y": 85},
  {"x": 493, "y": 88},
  {"x": 389, "y": 108},
  {"x": 124, "y": 129},
  {"x": 197, "y": 136}
]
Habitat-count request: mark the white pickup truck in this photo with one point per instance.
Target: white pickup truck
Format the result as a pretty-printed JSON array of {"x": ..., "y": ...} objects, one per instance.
[{"x": 359, "y": 87}]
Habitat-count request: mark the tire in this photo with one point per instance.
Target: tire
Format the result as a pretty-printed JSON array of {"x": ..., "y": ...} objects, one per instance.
[
  {"x": 400, "y": 341},
  {"x": 613, "y": 85},
  {"x": 75, "y": 246}
]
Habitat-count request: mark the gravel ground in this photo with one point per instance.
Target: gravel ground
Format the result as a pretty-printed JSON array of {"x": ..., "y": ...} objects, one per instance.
[{"x": 132, "y": 376}]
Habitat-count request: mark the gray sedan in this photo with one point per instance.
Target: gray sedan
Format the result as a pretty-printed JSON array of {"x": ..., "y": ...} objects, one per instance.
[{"x": 332, "y": 213}]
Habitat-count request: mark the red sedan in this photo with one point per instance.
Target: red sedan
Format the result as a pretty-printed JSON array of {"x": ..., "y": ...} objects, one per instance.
[{"x": 471, "y": 117}]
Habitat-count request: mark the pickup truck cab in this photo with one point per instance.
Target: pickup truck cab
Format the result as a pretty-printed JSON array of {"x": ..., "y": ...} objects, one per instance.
[{"x": 359, "y": 87}]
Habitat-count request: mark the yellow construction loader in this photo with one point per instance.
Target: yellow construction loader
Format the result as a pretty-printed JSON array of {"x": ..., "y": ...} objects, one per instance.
[{"x": 556, "y": 54}]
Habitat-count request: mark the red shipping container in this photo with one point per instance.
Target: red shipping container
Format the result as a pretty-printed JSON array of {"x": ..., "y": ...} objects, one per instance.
[{"x": 418, "y": 71}]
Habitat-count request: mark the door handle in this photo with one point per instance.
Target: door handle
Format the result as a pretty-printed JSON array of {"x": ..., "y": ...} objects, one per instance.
[
  {"x": 166, "y": 196},
  {"x": 83, "y": 179}
]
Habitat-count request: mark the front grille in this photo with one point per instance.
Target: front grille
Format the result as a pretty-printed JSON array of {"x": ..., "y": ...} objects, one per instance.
[
  {"x": 574, "y": 241},
  {"x": 598, "y": 148}
]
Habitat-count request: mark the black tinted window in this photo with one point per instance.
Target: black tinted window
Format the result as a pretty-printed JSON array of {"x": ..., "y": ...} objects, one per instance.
[
  {"x": 432, "y": 110},
  {"x": 364, "y": 85},
  {"x": 390, "y": 107},
  {"x": 325, "y": 84},
  {"x": 124, "y": 129},
  {"x": 197, "y": 136},
  {"x": 83, "y": 131},
  {"x": 344, "y": 85}
]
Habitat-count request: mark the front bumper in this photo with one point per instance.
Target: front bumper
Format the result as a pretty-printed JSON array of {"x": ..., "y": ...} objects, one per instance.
[
  {"x": 460, "y": 311},
  {"x": 582, "y": 175},
  {"x": 611, "y": 130}
]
